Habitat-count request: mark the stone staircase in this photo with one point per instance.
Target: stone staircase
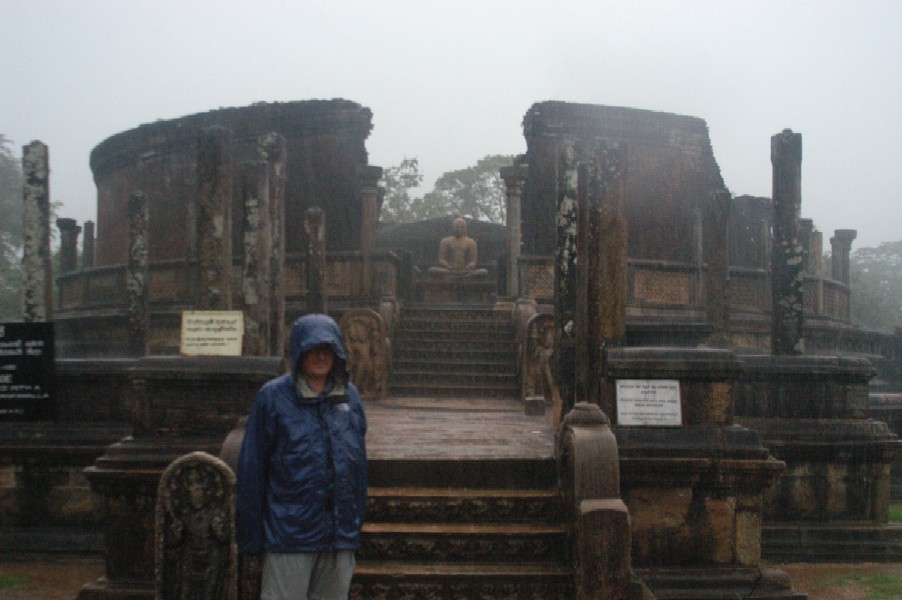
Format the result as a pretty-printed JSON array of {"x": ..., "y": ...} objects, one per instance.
[
  {"x": 503, "y": 539},
  {"x": 454, "y": 352}
]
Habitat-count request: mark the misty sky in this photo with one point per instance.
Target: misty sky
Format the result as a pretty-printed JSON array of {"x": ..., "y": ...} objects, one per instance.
[{"x": 449, "y": 81}]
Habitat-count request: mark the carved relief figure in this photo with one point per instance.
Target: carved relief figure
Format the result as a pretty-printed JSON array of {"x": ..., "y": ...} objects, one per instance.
[
  {"x": 196, "y": 552},
  {"x": 538, "y": 376},
  {"x": 365, "y": 338},
  {"x": 457, "y": 254}
]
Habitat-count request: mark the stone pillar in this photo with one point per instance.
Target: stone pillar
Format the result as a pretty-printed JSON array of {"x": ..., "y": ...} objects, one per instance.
[
  {"x": 786, "y": 255},
  {"x": 806, "y": 228},
  {"x": 602, "y": 268},
  {"x": 816, "y": 259},
  {"x": 841, "y": 247},
  {"x": 257, "y": 246},
  {"x": 273, "y": 148},
  {"x": 369, "y": 222},
  {"x": 69, "y": 230},
  {"x": 565, "y": 274},
  {"x": 87, "y": 253},
  {"x": 137, "y": 276},
  {"x": 513, "y": 177},
  {"x": 214, "y": 219},
  {"x": 717, "y": 300},
  {"x": 37, "y": 270},
  {"x": 315, "y": 230}
]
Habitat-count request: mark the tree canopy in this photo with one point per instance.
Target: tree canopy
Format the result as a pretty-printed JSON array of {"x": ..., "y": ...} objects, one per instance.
[
  {"x": 475, "y": 192},
  {"x": 11, "y": 232},
  {"x": 876, "y": 282}
]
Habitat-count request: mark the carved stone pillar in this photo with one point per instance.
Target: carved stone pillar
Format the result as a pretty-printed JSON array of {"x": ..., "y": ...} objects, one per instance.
[
  {"x": 602, "y": 247},
  {"x": 787, "y": 317},
  {"x": 37, "y": 271},
  {"x": 565, "y": 274},
  {"x": 315, "y": 230},
  {"x": 841, "y": 247},
  {"x": 257, "y": 246},
  {"x": 87, "y": 253},
  {"x": 69, "y": 230},
  {"x": 214, "y": 219},
  {"x": 369, "y": 222},
  {"x": 717, "y": 284},
  {"x": 513, "y": 177},
  {"x": 273, "y": 148},
  {"x": 137, "y": 275},
  {"x": 806, "y": 228}
]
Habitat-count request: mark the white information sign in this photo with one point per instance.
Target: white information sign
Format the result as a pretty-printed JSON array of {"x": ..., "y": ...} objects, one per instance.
[
  {"x": 649, "y": 402},
  {"x": 212, "y": 332}
]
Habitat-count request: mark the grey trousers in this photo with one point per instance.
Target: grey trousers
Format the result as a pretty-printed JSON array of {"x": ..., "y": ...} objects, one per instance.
[{"x": 314, "y": 576}]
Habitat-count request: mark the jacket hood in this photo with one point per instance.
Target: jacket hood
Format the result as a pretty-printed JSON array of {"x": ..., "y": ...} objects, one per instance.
[{"x": 313, "y": 330}]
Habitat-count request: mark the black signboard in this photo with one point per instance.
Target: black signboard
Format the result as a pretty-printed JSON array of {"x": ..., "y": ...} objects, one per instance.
[{"x": 26, "y": 372}]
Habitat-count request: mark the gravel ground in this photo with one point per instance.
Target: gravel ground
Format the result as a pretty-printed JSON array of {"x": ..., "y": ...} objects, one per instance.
[{"x": 62, "y": 581}]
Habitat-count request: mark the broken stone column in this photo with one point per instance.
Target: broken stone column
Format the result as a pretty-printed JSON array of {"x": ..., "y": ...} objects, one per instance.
[
  {"x": 214, "y": 219},
  {"x": 137, "y": 275},
  {"x": 315, "y": 230},
  {"x": 257, "y": 246},
  {"x": 37, "y": 271},
  {"x": 717, "y": 301},
  {"x": 273, "y": 148},
  {"x": 786, "y": 254},
  {"x": 513, "y": 177},
  {"x": 841, "y": 248},
  {"x": 565, "y": 274},
  {"x": 602, "y": 267},
  {"x": 87, "y": 253},
  {"x": 369, "y": 222},
  {"x": 806, "y": 228},
  {"x": 69, "y": 230}
]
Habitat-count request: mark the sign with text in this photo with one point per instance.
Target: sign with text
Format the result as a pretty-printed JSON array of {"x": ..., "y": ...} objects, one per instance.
[
  {"x": 212, "y": 332},
  {"x": 26, "y": 372},
  {"x": 651, "y": 402}
]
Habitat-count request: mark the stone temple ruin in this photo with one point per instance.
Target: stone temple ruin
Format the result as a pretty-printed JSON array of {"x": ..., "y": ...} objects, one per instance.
[{"x": 509, "y": 457}]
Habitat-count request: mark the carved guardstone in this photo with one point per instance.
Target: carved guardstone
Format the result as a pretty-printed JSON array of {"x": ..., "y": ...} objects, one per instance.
[
  {"x": 196, "y": 553},
  {"x": 365, "y": 338}
]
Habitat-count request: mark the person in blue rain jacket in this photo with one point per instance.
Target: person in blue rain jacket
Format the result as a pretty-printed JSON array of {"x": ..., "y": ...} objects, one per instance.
[{"x": 302, "y": 471}]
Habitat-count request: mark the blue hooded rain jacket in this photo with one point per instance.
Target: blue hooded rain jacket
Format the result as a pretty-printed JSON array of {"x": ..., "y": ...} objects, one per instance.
[{"x": 302, "y": 473}]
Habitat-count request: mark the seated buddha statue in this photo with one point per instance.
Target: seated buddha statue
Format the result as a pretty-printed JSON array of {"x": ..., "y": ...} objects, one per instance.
[{"x": 457, "y": 254}]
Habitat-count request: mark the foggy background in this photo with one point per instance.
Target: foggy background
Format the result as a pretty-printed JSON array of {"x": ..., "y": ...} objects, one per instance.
[{"x": 449, "y": 82}]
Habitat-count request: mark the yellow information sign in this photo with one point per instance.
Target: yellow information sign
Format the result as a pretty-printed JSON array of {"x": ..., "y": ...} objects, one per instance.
[{"x": 212, "y": 332}]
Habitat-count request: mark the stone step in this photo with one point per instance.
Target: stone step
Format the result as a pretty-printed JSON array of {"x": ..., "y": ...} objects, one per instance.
[
  {"x": 462, "y": 378},
  {"x": 723, "y": 583},
  {"x": 458, "y": 367},
  {"x": 477, "y": 474},
  {"x": 442, "y": 543},
  {"x": 469, "y": 338},
  {"x": 455, "y": 314},
  {"x": 444, "y": 505},
  {"x": 379, "y": 579},
  {"x": 862, "y": 542},
  {"x": 453, "y": 390},
  {"x": 506, "y": 357}
]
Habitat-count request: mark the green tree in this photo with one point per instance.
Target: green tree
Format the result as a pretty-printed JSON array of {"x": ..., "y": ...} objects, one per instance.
[
  {"x": 11, "y": 233},
  {"x": 397, "y": 203},
  {"x": 876, "y": 282},
  {"x": 476, "y": 192}
]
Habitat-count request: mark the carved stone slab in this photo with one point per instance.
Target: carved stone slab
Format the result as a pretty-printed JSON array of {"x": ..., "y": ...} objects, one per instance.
[
  {"x": 196, "y": 554},
  {"x": 366, "y": 341}
]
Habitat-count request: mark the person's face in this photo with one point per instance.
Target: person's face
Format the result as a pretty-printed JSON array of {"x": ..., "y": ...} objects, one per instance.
[
  {"x": 459, "y": 228},
  {"x": 317, "y": 362}
]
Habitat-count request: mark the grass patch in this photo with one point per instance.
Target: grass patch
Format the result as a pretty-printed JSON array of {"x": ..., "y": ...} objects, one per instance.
[
  {"x": 8, "y": 582},
  {"x": 877, "y": 586},
  {"x": 895, "y": 513}
]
